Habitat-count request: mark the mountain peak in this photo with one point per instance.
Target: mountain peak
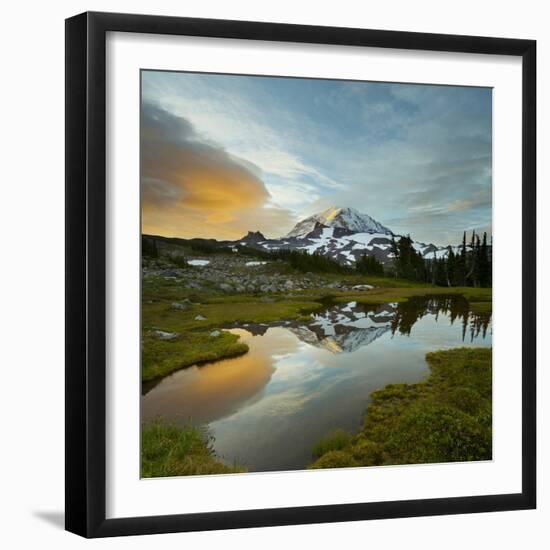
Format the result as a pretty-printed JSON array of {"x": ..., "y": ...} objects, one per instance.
[
  {"x": 253, "y": 236},
  {"x": 342, "y": 217}
]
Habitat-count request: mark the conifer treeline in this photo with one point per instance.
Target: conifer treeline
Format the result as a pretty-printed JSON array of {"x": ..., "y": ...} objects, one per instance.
[
  {"x": 471, "y": 265},
  {"x": 301, "y": 260},
  {"x": 149, "y": 247},
  {"x": 369, "y": 265}
]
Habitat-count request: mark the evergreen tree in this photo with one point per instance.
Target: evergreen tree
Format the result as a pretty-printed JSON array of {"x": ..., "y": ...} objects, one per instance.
[
  {"x": 395, "y": 253},
  {"x": 461, "y": 264},
  {"x": 470, "y": 266},
  {"x": 485, "y": 275},
  {"x": 469, "y": 262},
  {"x": 301, "y": 260},
  {"x": 477, "y": 262},
  {"x": 451, "y": 268},
  {"x": 369, "y": 265},
  {"x": 409, "y": 263},
  {"x": 149, "y": 247}
]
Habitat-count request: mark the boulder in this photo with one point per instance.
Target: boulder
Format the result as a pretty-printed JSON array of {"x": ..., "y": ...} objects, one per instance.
[{"x": 162, "y": 335}]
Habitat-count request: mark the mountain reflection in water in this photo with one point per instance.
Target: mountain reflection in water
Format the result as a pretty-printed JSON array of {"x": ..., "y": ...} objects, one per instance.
[
  {"x": 267, "y": 408},
  {"x": 347, "y": 327}
]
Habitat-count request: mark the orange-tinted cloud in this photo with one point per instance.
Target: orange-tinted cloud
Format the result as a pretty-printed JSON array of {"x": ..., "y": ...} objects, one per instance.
[{"x": 192, "y": 188}]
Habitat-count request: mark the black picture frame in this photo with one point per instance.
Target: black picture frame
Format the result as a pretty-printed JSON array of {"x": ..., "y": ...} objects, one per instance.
[{"x": 86, "y": 274}]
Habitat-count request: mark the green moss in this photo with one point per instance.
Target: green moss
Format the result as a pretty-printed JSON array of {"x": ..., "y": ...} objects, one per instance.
[
  {"x": 336, "y": 459},
  {"x": 194, "y": 343},
  {"x": 161, "y": 357},
  {"x": 168, "y": 450},
  {"x": 446, "y": 418},
  {"x": 221, "y": 313}
]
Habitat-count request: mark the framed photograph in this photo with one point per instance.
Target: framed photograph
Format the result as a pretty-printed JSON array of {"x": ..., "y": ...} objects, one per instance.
[{"x": 300, "y": 274}]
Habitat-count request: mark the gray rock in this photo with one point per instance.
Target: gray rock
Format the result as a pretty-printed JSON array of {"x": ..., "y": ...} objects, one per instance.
[
  {"x": 200, "y": 318},
  {"x": 162, "y": 335},
  {"x": 176, "y": 305},
  {"x": 362, "y": 287},
  {"x": 215, "y": 333},
  {"x": 226, "y": 287}
]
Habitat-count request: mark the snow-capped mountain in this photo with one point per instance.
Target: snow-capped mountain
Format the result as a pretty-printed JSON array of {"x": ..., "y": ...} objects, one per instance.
[
  {"x": 342, "y": 218},
  {"x": 341, "y": 233}
]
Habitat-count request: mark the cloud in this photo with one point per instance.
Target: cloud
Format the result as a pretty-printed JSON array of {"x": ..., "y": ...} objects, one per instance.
[
  {"x": 192, "y": 187},
  {"x": 267, "y": 132},
  {"x": 433, "y": 217},
  {"x": 423, "y": 150},
  {"x": 415, "y": 157}
]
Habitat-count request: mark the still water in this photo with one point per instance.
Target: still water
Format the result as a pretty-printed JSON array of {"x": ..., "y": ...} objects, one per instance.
[{"x": 266, "y": 409}]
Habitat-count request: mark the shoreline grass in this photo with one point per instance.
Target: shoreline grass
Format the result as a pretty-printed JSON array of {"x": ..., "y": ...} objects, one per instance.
[
  {"x": 168, "y": 450},
  {"x": 160, "y": 358},
  {"x": 445, "y": 418}
]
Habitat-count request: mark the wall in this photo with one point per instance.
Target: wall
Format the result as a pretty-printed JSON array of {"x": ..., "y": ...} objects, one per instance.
[{"x": 31, "y": 218}]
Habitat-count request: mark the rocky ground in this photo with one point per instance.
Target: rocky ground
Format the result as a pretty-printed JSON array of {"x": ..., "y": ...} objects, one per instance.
[{"x": 228, "y": 274}]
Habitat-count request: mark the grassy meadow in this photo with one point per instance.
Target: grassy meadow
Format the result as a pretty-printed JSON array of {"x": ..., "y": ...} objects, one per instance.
[
  {"x": 193, "y": 315},
  {"x": 446, "y": 417}
]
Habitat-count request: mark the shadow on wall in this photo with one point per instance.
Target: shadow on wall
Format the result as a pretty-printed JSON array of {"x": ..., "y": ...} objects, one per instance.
[{"x": 57, "y": 519}]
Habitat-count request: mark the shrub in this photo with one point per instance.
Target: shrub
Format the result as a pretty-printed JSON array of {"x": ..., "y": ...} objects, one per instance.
[
  {"x": 178, "y": 260},
  {"x": 335, "y": 440},
  {"x": 335, "y": 459}
]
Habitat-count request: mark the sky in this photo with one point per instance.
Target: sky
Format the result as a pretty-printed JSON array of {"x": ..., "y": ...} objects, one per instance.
[{"x": 222, "y": 155}]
